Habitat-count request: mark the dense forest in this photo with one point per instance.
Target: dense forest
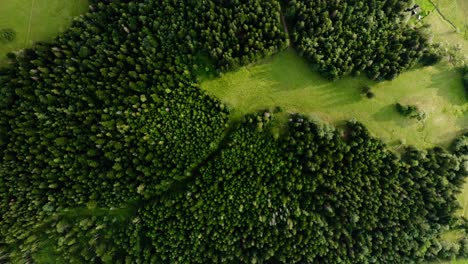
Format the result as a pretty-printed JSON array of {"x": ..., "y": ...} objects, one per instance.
[
  {"x": 341, "y": 37},
  {"x": 110, "y": 153}
]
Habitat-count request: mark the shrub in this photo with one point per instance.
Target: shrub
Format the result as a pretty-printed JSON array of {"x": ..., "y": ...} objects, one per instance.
[
  {"x": 7, "y": 35},
  {"x": 410, "y": 111}
]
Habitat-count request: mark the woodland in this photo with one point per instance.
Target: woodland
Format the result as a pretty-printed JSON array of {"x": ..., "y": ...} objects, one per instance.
[{"x": 111, "y": 153}]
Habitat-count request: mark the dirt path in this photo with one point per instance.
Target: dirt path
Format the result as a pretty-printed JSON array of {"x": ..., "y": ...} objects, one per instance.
[
  {"x": 285, "y": 26},
  {"x": 30, "y": 21}
]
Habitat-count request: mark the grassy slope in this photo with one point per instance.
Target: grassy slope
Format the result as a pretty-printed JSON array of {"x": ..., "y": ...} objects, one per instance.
[
  {"x": 287, "y": 80},
  {"x": 36, "y": 20},
  {"x": 457, "y": 12}
]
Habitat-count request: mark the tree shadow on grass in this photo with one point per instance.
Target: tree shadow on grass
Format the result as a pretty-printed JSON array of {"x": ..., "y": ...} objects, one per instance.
[
  {"x": 386, "y": 113},
  {"x": 448, "y": 82},
  {"x": 290, "y": 73},
  {"x": 389, "y": 113}
]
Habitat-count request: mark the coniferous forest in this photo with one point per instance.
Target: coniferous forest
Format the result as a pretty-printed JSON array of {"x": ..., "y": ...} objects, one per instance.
[{"x": 111, "y": 153}]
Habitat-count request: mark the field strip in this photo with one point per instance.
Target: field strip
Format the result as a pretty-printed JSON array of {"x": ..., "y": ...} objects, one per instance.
[{"x": 30, "y": 20}]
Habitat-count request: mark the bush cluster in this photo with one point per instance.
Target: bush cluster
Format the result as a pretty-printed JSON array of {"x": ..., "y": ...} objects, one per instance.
[
  {"x": 464, "y": 71},
  {"x": 410, "y": 111}
]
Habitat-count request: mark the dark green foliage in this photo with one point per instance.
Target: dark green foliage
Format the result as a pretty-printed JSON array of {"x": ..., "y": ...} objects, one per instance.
[
  {"x": 366, "y": 90},
  {"x": 344, "y": 37},
  {"x": 310, "y": 197},
  {"x": 237, "y": 32},
  {"x": 109, "y": 115},
  {"x": 410, "y": 111},
  {"x": 110, "y": 111},
  {"x": 432, "y": 55},
  {"x": 464, "y": 71},
  {"x": 7, "y": 35},
  {"x": 460, "y": 144}
]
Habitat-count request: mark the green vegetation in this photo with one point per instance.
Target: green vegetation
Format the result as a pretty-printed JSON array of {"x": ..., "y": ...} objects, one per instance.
[
  {"x": 263, "y": 185},
  {"x": 288, "y": 81},
  {"x": 353, "y": 37},
  {"x": 111, "y": 153},
  {"x": 455, "y": 11},
  {"x": 7, "y": 35},
  {"x": 410, "y": 111},
  {"x": 464, "y": 71},
  {"x": 36, "y": 20}
]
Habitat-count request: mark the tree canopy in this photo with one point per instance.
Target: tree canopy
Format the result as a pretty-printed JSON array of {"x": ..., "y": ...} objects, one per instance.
[{"x": 110, "y": 153}]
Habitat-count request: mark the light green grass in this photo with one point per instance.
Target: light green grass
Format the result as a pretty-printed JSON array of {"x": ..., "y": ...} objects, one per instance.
[
  {"x": 444, "y": 33},
  {"x": 286, "y": 80},
  {"x": 36, "y": 20},
  {"x": 456, "y": 11}
]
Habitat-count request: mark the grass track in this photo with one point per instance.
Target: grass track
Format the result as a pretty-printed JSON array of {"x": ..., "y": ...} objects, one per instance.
[{"x": 36, "y": 20}]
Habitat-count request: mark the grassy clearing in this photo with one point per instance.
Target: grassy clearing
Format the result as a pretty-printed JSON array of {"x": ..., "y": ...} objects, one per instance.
[
  {"x": 286, "y": 80},
  {"x": 456, "y": 11},
  {"x": 36, "y": 20},
  {"x": 445, "y": 33}
]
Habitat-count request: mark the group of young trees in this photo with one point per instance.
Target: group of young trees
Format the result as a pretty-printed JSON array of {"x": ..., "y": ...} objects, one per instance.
[
  {"x": 109, "y": 115},
  {"x": 342, "y": 37}
]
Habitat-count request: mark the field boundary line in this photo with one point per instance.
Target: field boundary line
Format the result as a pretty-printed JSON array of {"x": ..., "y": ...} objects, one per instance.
[
  {"x": 442, "y": 15},
  {"x": 30, "y": 21}
]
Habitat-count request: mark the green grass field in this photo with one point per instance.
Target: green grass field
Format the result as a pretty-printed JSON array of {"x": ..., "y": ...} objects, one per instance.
[
  {"x": 286, "y": 80},
  {"x": 36, "y": 20},
  {"x": 456, "y": 11}
]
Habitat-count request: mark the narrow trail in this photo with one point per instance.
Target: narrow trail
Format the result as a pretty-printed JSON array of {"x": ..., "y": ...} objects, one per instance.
[
  {"x": 30, "y": 21},
  {"x": 285, "y": 26}
]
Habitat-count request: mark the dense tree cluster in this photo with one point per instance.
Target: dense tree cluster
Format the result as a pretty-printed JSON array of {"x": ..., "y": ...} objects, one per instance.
[
  {"x": 343, "y": 37},
  {"x": 109, "y": 115},
  {"x": 237, "y": 32},
  {"x": 460, "y": 145},
  {"x": 110, "y": 111},
  {"x": 313, "y": 195}
]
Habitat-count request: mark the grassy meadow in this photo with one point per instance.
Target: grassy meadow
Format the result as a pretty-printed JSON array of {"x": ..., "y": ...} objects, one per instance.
[
  {"x": 36, "y": 20},
  {"x": 288, "y": 81}
]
